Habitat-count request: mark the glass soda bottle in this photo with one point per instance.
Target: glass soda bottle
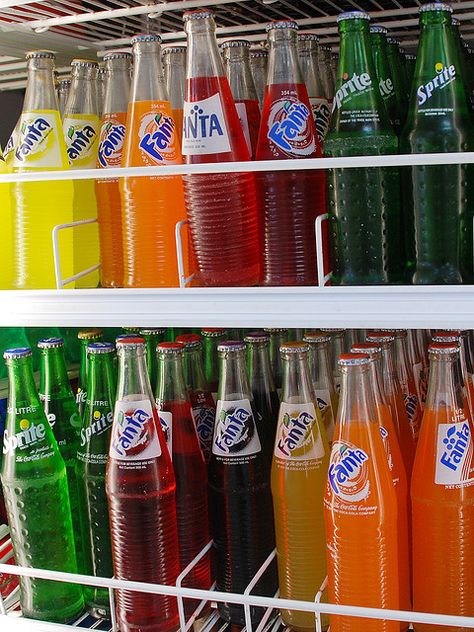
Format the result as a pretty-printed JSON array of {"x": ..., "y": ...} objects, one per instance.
[
  {"x": 112, "y": 136},
  {"x": 289, "y": 200},
  {"x": 258, "y": 66},
  {"x": 360, "y": 506},
  {"x": 36, "y": 493},
  {"x": 153, "y": 336},
  {"x": 321, "y": 376},
  {"x": 326, "y": 73},
  {"x": 203, "y": 406},
  {"x": 278, "y": 336},
  {"x": 442, "y": 495},
  {"x": 62, "y": 413},
  {"x": 211, "y": 338},
  {"x": 338, "y": 347},
  {"x": 363, "y": 203},
  {"x": 81, "y": 126},
  {"x": 460, "y": 367},
  {"x": 265, "y": 395},
  {"x": 34, "y": 216},
  {"x": 308, "y": 57},
  {"x": 416, "y": 362},
  {"x": 101, "y": 84},
  {"x": 383, "y": 71},
  {"x": 85, "y": 336},
  {"x": 410, "y": 61},
  {"x": 151, "y": 206},
  {"x": 439, "y": 120},
  {"x": 141, "y": 494},
  {"x": 90, "y": 467},
  {"x": 239, "y": 486},
  {"x": 236, "y": 55},
  {"x": 174, "y": 406},
  {"x": 63, "y": 91},
  {"x": 174, "y": 61},
  {"x": 300, "y": 463},
  {"x": 6, "y": 223},
  {"x": 224, "y": 236},
  {"x": 399, "y": 83}
]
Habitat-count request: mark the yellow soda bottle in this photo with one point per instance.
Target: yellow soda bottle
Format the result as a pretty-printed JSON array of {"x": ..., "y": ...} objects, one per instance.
[
  {"x": 299, "y": 469},
  {"x": 81, "y": 133},
  {"x": 39, "y": 206},
  {"x": 9, "y": 151},
  {"x": 6, "y": 224}
]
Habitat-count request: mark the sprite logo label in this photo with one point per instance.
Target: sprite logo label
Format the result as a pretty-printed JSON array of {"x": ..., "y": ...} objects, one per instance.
[
  {"x": 443, "y": 77},
  {"x": 100, "y": 423},
  {"x": 37, "y": 144},
  {"x": 29, "y": 435},
  {"x": 112, "y": 136},
  {"x": 235, "y": 432},
  {"x": 298, "y": 435},
  {"x": 81, "y": 135},
  {"x": 351, "y": 88}
]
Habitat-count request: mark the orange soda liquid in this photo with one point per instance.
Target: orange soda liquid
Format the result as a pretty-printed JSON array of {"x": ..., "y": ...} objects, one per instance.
[
  {"x": 361, "y": 520},
  {"x": 442, "y": 494},
  {"x": 152, "y": 205}
]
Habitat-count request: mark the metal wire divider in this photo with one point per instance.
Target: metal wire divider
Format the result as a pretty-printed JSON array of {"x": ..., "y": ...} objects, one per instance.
[{"x": 60, "y": 282}]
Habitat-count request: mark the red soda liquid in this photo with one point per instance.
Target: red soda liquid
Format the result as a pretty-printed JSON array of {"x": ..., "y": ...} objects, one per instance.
[
  {"x": 141, "y": 496},
  {"x": 249, "y": 115},
  {"x": 290, "y": 201},
  {"x": 191, "y": 497},
  {"x": 221, "y": 208}
]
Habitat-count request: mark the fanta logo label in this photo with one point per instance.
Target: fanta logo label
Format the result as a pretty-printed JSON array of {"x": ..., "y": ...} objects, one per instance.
[
  {"x": 383, "y": 432},
  {"x": 100, "y": 424},
  {"x": 348, "y": 472},
  {"x": 296, "y": 432},
  {"x": 157, "y": 138},
  {"x": 354, "y": 86},
  {"x": 386, "y": 87},
  {"x": 235, "y": 432},
  {"x": 444, "y": 76},
  {"x": 111, "y": 144},
  {"x": 29, "y": 435},
  {"x": 454, "y": 451},
  {"x": 10, "y": 146},
  {"x": 456, "y": 443},
  {"x": 290, "y": 127},
  {"x": 411, "y": 406},
  {"x": 79, "y": 141},
  {"x": 204, "y": 420},
  {"x": 32, "y": 136},
  {"x": 166, "y": 423},
  {"x": 199, "y": 124},
  {"x": 322, "y": 116},
  {"x": 134, "y": 434},
  {"x": 204, "y": 127}
]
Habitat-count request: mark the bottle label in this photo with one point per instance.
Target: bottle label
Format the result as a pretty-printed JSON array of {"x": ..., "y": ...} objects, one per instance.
[
  {"x": 413, "y": 413},
  {"x": 454, "y": 451},
  {"x": 100, "y": 424},
  {"x": 244, "y": 121},
  {"x": 235, "y": 432},
  {"x": 154, "y": 140},
  {"x": 348, "y": 474},
  {"x": 323, "y": 400},
  {"x": 321, "y": 116},
  {"x": 347, "y": 96},
  {"x": 9, "y": 151},
  {"x": 81, "y": 396},
  {"x": 112, "y": 136},
  {"x": 166, "y": 421},
  {"x": 290, "y": 127},
  {"x": 296, "y": 438},
  {"x": 204, "y": 423},
  {"x": 386, "y": 88},
  {"x": 204, "y": 127},
  {"x": 28, "y": 444},
  {"x": 81, "y": 133},
  {"x": 134, "y": 436},
  {"x": 386, "y": 444},
  {"x": 444, "y": 75},
  {"x": 38, "y": 143}
]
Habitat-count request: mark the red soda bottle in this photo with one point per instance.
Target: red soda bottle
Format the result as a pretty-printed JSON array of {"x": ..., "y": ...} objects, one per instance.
[
  {"x": 221, "y": 208},
  {"x": 290, "y": 200},
  {"x": 237, "y": 65},
  {"x": 174, "y": 406},
  {"x": 141, "y": 488}
]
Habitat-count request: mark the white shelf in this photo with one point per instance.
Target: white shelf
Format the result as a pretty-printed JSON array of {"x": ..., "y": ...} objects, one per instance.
[{"x": 383, "y": 306}]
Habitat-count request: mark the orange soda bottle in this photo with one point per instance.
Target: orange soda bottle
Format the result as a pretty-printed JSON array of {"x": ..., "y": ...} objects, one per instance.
[
  {"x": 174, "y": 62},
  {"x": 461, "y": 366},
  {"x": 407, "y": 381},
  {"x": 112, "y": 136},
  {"x": 442, "y": 496},
  {"x": 360, "y": 507},
  {"x": 151, "y": 206}
]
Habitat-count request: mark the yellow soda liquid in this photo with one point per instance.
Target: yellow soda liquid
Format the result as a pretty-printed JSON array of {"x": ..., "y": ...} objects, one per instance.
[
  {"x": 39, "y": 206},
  {"x": 81, "y": 133},
  {"x": 6, "y": 224},
  {"x": 298, "y": 479}
]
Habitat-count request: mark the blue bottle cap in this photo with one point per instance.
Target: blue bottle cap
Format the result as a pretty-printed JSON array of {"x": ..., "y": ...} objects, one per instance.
[
  {"x": 18, "y": 352},
  {"x": 100, "y": 347},
  {"x": 50, "y": 343}
]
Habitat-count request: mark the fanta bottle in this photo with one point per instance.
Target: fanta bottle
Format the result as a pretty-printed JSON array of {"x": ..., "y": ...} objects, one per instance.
[
  {"x": 338, "y": 346},
  {"x": 174, "y": 62},
  {"x": 290, "y": 200},
  {"x": 63, "y": 92},
  {"x": 322, "y": 379},
  {"x": 360, "y": 507},
  {"x": 9, "y": 151},
  {"x": 460, "y": 367},
  {"x": 112, "y": 136},
  {"x": 81, "y": 133},
  {"x": 212, "y": 337},
  {"x": 39, "y": 206},
  {"x": 416, "y": 361},
  {"x": 442, "y": 496},
  {"x": 237, "y": 65},
  {"x": 278, "y": 336},
  {"x": 300, "y": 462},
  {"x": 6, "y": 224},
  {"x": 151, "y": 206},
  {"x": 221, "y": 208},
  {"x": 258, "y": 65},
  {"x": 101, "y": 82},
  {"x": 141, "y": 494}
]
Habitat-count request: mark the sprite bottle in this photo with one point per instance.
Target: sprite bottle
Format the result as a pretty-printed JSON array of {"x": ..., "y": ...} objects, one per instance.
[
  {"x": 378, "y": 37},
  {"x": 439, "y": 120},
  {"x": 363, "y": 202},
  {"x": 86, "y": 336},
  {"x": 62, "y": 413},
  {"x": 91, "y": 462},
  {"x": 398, "y": 75},
  {"x": 36, "y": 493},
  {"x": 153, "y": 336}
]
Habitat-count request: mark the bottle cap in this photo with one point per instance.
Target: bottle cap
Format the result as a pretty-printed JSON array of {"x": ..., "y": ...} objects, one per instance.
[
  {"x": 64, "y": 82},
  {"x": 444, "y": 348},
  {"x": 37, "y": 54},
  {"x": 315, "y": 338},
  {"x": 353, "y": 359},
  {"x": 396, "y": 333},
  {"x": 152, "y": 331},
  {"x": 393, "y": 40},
  {"x": 446, "y": 336},
  {"x": 353, "y": 15},
  {"x": 85, "y": 63},
  {"x": 231, "y": 346},
  {"x": 376, "y": 28},
  {"x": 235, "y": 43},
  {"x": 18, "y": 352},
  {"x": 334, "y": 331},
  {"x": 167, "y": 348},
  {"x": 294, "y": 347},
  {"x": 308, "y": 37},
  {"x": 282, "y": 24},
  {"x": 190, "y": 341},
  {"x": 410, "y": 57},
  {"x": 276, "y": 330},
  {"x": 50, "y": 343},
  {"x": 167, "y": 50},
  {"x": 326, "y": 48},
  {"x": 130, "y": 341},
  {"x": 130, "y": 335},
  {"x": 256, "y": 53},
  {"x": 117, "y": 54},
  {"x": 89, "y": 334},
  {"x": 213, "y": 332},
  {"x": 145, "y": 37},
  {"x": 435, "y": 6},
  {"x": 370, "y": 348},
  {"x": 100, "y": 347},
  {"x": 132, "y": 329},
  {"x": 257, "y": 337},
  {"x": 198, "y": 14},
  {"x": 380, "y": 336}
]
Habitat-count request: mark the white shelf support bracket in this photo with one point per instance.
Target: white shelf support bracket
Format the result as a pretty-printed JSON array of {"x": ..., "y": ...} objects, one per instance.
[
  {"x": 179, "y": 582},
  {"x": 60, "y": 282},
  {"x": 183, "y": 279},
  {"x": 317, "y": 600},
  {"x": 250, "y": 587},
  {"x": 322, "y": 278},
  {"x": 113, "y": 616}
]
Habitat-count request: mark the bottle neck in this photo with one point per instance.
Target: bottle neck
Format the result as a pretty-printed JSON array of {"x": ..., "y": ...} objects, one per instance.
[
  {"x": 175, "y": 76},
  {"x": 356, "y": 400},
  {"x": 237, "y": 64},
  {"x": 258, "y": 366},
  {"x": 283, "y": 66},
  {"x": 297, "y": 387},
  {"x": 82, "y": 98},
  {"x": 148, "y": 83},
  {"x": 170, "y": 385},
  {"x": 233, "y": 382},
  {"x": 320, "y": 367},
  {"x": 377, "y": 381},
  {"x": 117, "y": 86},
  {"x": 40, "y": 92},
  {"x": 444, "y": 391},
  {"x": 390, "y": 379},
  {"x": 54, "y": 377},
  {"x": 22, "y": 392},
  {"x": 203, "y": 58},
  {"x": 309, "y": 65},
  {"x": 133, "y": 383},
  {"x": 101, "y": 380},
  {"x": 194, "y": 370}
]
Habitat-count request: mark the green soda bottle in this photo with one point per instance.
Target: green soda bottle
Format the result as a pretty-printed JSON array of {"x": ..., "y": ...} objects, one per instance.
[
  {"x": 364, "y": 203},
  {"x": 153, "y": 336},
  {"x": 91, "y": 461},
  {"x": 398, "y": 76},
  {"x": 278, "y": 337},
  {"x": 62, "y": 413},
  {"x": 378, "y": 37},
  {"x": 37, "y": 500},
  {"x": 410, "y": 61},
  {"x": 439, "y": 120},
  {"x": 211, "y": 337},
  {"x": 86, "y": 336}
]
